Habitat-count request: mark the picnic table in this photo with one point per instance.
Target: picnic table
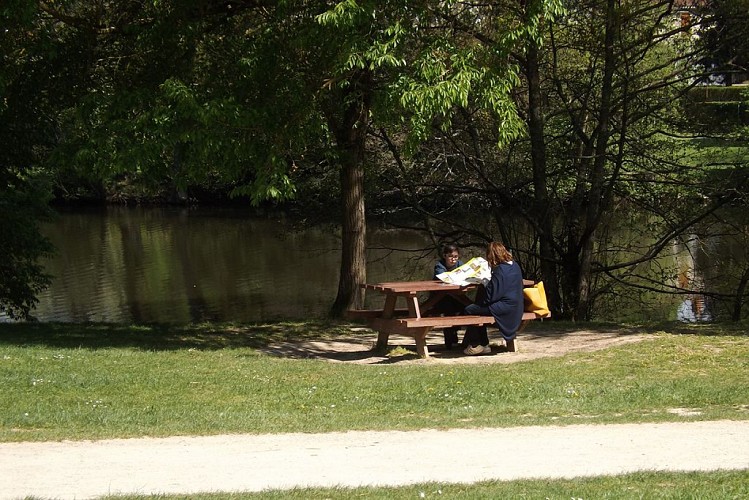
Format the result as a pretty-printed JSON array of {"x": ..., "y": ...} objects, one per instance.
[{"x": 413, "y": 320}]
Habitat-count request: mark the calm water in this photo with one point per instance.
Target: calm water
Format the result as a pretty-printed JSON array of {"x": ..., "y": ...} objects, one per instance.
[{"x": 178, "y": 265}]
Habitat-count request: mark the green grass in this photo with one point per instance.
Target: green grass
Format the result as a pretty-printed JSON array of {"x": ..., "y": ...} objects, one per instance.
[
  {"x": 104, "y": 381},
  {"x": 97, "y": 381},
  {"x": 720, "y": 485}
]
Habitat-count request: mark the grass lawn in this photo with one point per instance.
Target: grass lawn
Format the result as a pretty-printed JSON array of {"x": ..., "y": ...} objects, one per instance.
[
  {"x": 105, "y": 381},
  {"x": 64, "y": 381},
  {"x": 647, "y": 485}
]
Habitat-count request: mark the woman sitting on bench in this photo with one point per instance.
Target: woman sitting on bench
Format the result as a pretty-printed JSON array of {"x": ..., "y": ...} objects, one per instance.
[{"x": 502, "y": 297}]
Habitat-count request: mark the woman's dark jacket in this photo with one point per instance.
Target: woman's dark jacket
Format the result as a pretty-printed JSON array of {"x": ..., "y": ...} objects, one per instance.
[{"x": 504, "y": 298}]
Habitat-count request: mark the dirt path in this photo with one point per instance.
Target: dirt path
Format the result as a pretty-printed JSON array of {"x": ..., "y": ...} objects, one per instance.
[
  {"x": 78, "y": 470},
  {"x": 532, "y": 344}
]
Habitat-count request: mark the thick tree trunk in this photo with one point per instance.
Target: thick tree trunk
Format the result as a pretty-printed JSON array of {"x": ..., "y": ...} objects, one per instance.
[
  {"x": 353, "y": 240},
  {"x": 350, "y": 130},
  {"x": 545, "y": 223}
]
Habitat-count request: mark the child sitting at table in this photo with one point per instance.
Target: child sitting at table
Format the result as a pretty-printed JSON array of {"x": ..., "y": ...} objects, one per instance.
[{"x": 448, "y": 306}]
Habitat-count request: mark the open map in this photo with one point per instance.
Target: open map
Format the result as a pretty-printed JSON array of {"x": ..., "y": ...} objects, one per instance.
[{"x": 475, "y": 270}]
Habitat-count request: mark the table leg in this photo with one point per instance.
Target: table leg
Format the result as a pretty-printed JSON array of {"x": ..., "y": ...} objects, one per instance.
[
  {"x": 511, "y": 344},
  {"x": 382, "y": 340},
  {"x": 523, "y": 324},
  {"x": 420, "y": 336},
  {"x": 413, "y": 306},
  {"x": 387, "y": 313},
  {"x": 389, "y": 307}
]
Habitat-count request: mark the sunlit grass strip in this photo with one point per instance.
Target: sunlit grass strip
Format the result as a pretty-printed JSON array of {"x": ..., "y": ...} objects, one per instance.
[
  {"x": 92, "y": 382},
  {"x": 721, "y": 485}
]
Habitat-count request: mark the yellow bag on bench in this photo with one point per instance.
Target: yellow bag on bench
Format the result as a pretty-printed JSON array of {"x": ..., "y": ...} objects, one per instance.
[{"x": 535, "y": 300}]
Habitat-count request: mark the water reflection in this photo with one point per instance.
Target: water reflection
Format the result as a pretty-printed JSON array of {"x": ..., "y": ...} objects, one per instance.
[
  {"x": 179, "y": 265},
  {"x": 691, "y": 261}
]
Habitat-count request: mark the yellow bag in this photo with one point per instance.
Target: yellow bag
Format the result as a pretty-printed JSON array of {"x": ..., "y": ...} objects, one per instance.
[{"x": 535, "y": 300}]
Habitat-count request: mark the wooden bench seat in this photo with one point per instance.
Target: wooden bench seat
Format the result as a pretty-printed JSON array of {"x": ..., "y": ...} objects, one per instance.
[
  {"x": 433, "y": 321},
  {"x": 418, "y": 328},
  {"x": 448, "y": 321}
]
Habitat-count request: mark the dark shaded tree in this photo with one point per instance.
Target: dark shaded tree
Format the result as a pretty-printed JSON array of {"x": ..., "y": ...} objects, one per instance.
[{"x": 599, "y": 94}]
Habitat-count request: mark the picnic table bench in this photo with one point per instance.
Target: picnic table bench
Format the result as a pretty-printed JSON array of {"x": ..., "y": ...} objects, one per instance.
[{"x": 411, "y": 322}]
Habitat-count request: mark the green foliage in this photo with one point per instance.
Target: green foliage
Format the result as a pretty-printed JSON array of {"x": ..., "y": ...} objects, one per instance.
[
  {"x": 434, "y": 72},
  {"x": 255, "y": 98},
  {"x": 32, "y": 86},
  {"x": 181, "y": 98},
  {"x": 23, "y": 204},
  {"x": 188, "y": 93}
]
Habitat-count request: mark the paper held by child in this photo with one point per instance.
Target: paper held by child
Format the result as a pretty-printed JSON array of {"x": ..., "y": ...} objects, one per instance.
[{"x": 474, "y": 271}]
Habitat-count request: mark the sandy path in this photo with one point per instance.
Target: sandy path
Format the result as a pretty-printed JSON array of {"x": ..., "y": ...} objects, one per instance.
[
  {"x": 67, "y": 470},
  {"x": 532, "y": 344}
]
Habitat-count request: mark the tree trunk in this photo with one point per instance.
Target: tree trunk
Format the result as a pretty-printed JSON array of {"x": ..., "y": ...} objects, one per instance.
[
  {"x": 545, "y": 223},
  {"x": 738, "y": 302},
  {"x": 178, "y": 192},
  {"x": 353, "y": 240},
  {"x": 350, "y": 131},
  {"x": 602, "y": 135}
]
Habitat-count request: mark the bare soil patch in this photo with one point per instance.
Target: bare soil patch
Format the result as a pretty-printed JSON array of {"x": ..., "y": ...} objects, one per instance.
[{"x": 533, "y": 343}]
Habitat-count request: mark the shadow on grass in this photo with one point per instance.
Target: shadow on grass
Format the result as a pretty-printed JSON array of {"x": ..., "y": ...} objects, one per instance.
[
  {"x": 703, "y": 329},
  {"x": 563, "y": 328},
  {"x": 155, "y": 337},
  {"x": 207, "y": 336},
  {"x": 357, "y": 349}
]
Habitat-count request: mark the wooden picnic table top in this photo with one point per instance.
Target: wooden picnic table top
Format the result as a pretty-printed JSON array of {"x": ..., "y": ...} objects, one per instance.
[
  {"x": 407, "y": 287},
  {"x": 414, "y": 286}
]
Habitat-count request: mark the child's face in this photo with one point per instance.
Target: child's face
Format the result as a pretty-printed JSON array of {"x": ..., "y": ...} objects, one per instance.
[{"x": 451, "y": 258}]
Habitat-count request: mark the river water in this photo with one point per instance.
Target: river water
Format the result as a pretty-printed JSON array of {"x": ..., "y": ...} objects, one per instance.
[
  {"x": 124, "y": 264},
  {"x": 120, "y": 264}
]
